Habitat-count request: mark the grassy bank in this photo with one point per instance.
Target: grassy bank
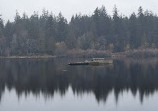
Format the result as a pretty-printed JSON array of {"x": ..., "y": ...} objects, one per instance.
[
  {"x": 77, "y": 53},
  {"x": 32, "y": 56},
  {"x": 136, "y": 53}
]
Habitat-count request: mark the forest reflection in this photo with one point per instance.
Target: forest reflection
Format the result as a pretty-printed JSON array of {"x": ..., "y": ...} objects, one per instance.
[{"x": 48, "y": 76}]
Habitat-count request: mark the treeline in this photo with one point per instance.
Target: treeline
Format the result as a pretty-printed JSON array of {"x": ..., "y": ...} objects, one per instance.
[{"x": 54, "y": 35}]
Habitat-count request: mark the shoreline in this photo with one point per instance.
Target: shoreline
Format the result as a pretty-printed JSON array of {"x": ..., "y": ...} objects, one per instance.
[
  {"x": 139, "y": 53},
  {"x": 27, "y": 57}
]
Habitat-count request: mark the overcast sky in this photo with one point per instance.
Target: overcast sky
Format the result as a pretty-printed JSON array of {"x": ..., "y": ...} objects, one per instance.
[{"x": 70, "y": 7}]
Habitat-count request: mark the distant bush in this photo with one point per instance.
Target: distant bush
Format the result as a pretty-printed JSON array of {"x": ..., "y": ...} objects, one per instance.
[
  {"x": 88, "y": 53},
  {"x": 142, "y": 53}
]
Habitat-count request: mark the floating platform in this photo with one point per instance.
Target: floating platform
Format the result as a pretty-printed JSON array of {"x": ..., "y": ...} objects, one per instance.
[
  {"x": 94, "y": 61},
  {"x": 79, "y": 63}
]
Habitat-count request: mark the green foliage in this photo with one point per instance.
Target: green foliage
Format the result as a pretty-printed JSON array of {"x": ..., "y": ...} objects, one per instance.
[{"x": 71, "y": 40}]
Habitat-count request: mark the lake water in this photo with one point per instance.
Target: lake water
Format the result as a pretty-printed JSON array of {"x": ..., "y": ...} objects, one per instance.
[{"x": 52, "y": 85}]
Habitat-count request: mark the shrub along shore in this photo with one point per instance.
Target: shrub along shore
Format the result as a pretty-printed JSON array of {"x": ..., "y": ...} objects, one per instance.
[{"x": 78, "y": 53}]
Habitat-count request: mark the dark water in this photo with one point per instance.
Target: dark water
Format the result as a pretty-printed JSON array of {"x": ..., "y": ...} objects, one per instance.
[{"x": 52, "y": 85}]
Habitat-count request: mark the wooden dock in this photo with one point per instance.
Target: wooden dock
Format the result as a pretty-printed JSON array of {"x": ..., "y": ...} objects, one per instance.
[
  {"x": 79, "y": 63},
  {"x": 94, "y": 61}
]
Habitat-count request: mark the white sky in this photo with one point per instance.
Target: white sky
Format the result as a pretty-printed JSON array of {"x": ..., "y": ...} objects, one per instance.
[{"x": 70, "y": 7}]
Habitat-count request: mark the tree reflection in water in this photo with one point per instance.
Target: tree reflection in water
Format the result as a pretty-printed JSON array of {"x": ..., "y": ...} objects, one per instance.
[{"x": 50, "y": 75}]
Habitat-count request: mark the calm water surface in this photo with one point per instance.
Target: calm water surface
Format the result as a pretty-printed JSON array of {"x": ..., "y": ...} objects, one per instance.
[{"x": 52, "y": 85}]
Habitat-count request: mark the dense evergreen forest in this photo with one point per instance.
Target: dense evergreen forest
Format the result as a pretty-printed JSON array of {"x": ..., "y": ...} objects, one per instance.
[{"x": 54, "y": 35}]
